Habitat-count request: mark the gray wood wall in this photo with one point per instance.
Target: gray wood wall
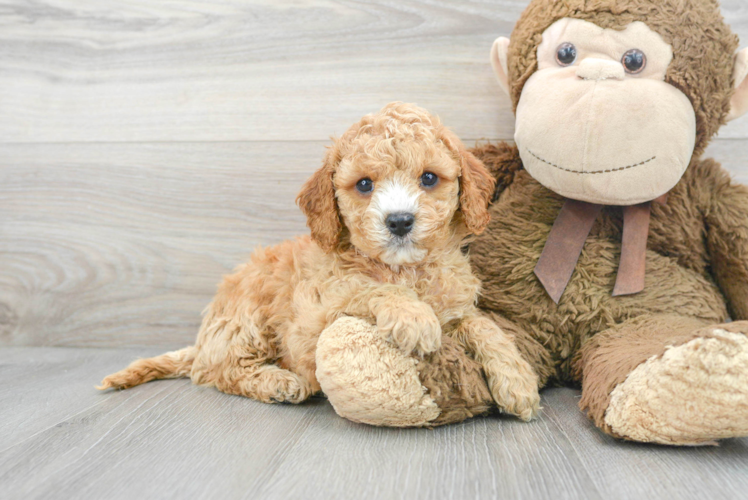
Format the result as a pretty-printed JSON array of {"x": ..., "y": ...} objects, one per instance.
[{"x": 147, "y": 147}]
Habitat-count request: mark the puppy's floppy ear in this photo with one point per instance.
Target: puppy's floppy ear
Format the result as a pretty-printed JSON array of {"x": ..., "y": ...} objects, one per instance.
[
  {"x": 476, "y": 185},
  {"x": 317, "y": 201},
  {"x": 476, "y": 188}
]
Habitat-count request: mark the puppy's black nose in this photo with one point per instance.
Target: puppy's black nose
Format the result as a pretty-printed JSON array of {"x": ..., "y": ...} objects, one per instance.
[{"x": 400, "y": 224}]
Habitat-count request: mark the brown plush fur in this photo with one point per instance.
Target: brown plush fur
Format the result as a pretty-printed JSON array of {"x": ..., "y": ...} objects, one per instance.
[
  {"x": 259, "y": 335},
  {"x": 702, "y": 228},
  {"x": 455, "y": 381}
]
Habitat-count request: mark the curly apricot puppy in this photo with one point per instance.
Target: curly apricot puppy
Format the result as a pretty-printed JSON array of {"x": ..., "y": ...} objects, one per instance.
[{"x": 388, "y": 211}]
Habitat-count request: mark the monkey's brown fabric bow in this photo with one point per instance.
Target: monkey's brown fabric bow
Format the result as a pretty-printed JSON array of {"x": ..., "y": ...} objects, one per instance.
[{"x": 568, "y": 234}]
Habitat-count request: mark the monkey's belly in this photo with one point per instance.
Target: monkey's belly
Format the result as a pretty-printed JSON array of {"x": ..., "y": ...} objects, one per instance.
[
  {"x": 587, "y": 306},
  {"x": 505, "y": 255}
]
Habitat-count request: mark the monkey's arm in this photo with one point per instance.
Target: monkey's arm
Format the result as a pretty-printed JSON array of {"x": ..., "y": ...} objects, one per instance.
[
  {"x": 726, "y": 217},
  {"x": 502, "y": 160}
]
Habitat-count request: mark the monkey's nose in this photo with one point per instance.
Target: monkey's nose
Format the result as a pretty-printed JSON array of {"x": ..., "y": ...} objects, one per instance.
[
  {"x": 400, "y": 223},
  {"x": 600, "y": 69}
]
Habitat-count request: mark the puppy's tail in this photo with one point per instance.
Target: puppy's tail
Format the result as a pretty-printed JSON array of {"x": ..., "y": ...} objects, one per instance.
[{"x": 174, "y": 364}]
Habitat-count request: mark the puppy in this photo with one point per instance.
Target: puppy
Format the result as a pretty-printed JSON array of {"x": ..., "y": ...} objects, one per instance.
[{"x": 388, "y": 211}]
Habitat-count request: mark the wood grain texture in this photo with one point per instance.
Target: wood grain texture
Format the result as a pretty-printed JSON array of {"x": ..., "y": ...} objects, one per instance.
[
  {"x": 123, "y": 244},
  {"x": 170, "y": 439},
  {"x": 76, "y": 71},
  {"x": 46, "y": 387}
]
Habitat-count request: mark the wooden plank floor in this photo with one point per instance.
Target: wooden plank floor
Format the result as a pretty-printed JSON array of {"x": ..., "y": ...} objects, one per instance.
[
  {"x": 60, "y": 438},
  {"x": 145, "y": 149}
]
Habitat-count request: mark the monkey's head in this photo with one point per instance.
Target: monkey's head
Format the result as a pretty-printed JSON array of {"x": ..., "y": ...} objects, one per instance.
[{"x": 614, "y": 98}]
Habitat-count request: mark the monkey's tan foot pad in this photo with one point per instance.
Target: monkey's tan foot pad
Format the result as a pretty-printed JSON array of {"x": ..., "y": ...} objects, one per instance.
[
  {"x": 368, "y": 380},
  {"x": 693, "y": 394}
]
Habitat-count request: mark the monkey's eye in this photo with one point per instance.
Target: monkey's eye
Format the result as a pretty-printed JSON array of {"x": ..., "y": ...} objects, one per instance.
[
  {"x": 634, "y": 61},
  {"x": 566, "y": 54},
  {"x": 365, "y": 185},
  {"x": 429, "y": 179}
]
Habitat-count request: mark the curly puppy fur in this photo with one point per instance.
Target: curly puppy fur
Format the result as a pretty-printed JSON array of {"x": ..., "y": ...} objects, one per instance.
[{"x": 259, "y": 335}]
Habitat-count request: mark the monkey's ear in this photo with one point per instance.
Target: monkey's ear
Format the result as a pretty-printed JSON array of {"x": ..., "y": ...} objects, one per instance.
[
  {"x": 317, "y": 201},
  {"x": 739, "y": 101},
  {"x": 476, "y": 189},
  {"x": 499, "y": 62}
]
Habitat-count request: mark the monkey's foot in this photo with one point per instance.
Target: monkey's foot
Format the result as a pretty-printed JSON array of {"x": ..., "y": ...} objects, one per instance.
[{"x": 693, "y": 394}]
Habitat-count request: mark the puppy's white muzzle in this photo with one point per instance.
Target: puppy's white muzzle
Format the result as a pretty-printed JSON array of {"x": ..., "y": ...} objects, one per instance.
[{"x": 390, "y": 199}]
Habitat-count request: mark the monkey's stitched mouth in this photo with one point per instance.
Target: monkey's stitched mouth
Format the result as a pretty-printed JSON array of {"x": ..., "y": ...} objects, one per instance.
[{"x": 593, "y": 171}]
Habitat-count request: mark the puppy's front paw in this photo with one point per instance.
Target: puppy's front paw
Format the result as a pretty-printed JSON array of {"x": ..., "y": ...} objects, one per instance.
[{"x": 412, "y": 326}]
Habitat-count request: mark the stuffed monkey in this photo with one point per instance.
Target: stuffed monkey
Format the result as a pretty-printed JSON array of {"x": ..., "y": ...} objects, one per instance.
[{"x": 615, "y": 254}]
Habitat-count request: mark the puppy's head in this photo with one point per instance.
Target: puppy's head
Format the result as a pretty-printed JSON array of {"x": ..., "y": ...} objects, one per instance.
[{"x": 398, "y": 185}]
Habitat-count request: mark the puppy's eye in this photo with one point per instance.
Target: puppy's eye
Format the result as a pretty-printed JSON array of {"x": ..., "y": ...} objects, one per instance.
[
  {"x": 365, "y": 185},
  {"x": 566, "y": 54},
  {"x": 634, "y": 61},
  {"x": 429, "y": 179}
]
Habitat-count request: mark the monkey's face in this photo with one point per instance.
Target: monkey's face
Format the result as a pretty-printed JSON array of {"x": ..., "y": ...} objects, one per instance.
[{"x": 597, "y": 122}]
